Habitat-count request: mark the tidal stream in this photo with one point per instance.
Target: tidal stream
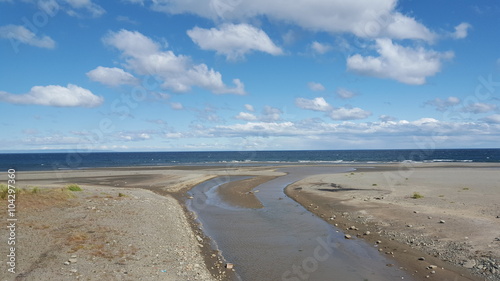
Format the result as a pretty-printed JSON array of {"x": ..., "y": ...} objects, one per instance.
[{"x": 284, "y": 241}]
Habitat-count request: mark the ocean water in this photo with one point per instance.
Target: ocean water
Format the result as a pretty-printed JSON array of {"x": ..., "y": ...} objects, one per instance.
[{"x": 75, "y": 160}]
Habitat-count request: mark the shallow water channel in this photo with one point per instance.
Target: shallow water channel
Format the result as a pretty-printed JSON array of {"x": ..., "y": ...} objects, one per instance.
[{"x": 284, "y": 241}]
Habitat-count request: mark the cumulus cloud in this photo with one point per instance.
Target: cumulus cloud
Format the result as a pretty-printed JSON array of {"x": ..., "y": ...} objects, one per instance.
[
  {"x": 271, "y": 114},
  {"x": 342, "y": 113},
  {"x": 443, "y": 105},
  {"x": 349, "y": 113},
  {"x": 176, "y": 105},
  {"x": 320, "y": 48},
  {"x": 88, "y": 6},
  {"x": 495, "y": 119},
  {"x": 386, "y": 118},
  {"x": 316, "y": 104},
  {"x": 20, "y": 34},
  {"x": 461, "y": 30},
  {"x": 249, "y": 107},
  {"x": 133, "y": 136},
  {"x": 112, "y": 76},
  {"x": 364, "y": 18},
  {"x": 313, "y": 86},
  {"x": 424, "y": 127},
  {"x": 177, "y": 72},
  {"x": 479, "y": 107},
  {"x": 55, "y": 95},
  {"x": 234, "y": 40},
  {"x": 246, "y": 116},
  {"x": 344, "y": 93},
  {"x": 404, "y": 64}
]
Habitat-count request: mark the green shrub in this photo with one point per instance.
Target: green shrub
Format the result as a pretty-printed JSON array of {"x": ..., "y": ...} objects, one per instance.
[
  {"x": 74, "y": 187},
  {"x": 417, "y": 195},
  {"x": 4, "y": 191}
]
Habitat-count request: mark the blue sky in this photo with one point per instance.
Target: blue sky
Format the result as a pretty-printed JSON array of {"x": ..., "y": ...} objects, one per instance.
[{"x": 178, "y": 75}]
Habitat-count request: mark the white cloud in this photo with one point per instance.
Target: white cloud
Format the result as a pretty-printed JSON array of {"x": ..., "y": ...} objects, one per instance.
[
  {"x": 344, "y": 93},
  {"x": 404, "y": 64},
  {"x": 443, "y": 105},
  {"x": 126, "y": 19},
  {"x": 112, "y": 76},
  {"x": 249, "y": 107},
  {"x": 313, "y": 86},
  {"x": 177, "y": 72},
  {"x": 54, "y": 95},
  {"x": 320, "y": 48},
  {"x": 424, "y": 129},
  {"x": 93, "y": 9},
  {"x": 349, "y": 113},
  {"x": 479, "y": 107},
  {"x": 132, "y": 43},
  {"x": 176, "y": 105},
  {"x": 316, "y": 104},
  {"x": 234, "y": 40},
  {"x": 133, "y": 136},
  {"x": 342, "y": 113},
  {"x": 20, "y": 34},
  {"x": 364, "y": 18},
  {"x": 461, "y": 30},
  {"x": 271, "y": 114},
  {"x": 495, "y": 119},
  {"x": 386, "y": 118},
  {"x": 246, "y": 116}
]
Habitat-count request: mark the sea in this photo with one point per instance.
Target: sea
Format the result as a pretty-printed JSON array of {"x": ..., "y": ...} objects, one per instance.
[{"x": 78, "y": 160}]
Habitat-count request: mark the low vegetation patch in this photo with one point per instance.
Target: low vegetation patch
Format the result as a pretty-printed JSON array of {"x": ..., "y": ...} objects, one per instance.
[
  {"x": 74, "y": 187},
  {"x": 417, "y": 195}
]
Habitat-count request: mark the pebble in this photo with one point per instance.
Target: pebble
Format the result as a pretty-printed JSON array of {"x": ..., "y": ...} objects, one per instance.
[
  {"x": 421, "y": 259},
  {"x": 347, "y": 236},
  {"x": 66, "y": 263},
  {"x": 367, "y": 233},
  {"x": 72, "y": 260},
  {"x": 441, "y": 221},
  {"x": 470, "y": 264}
]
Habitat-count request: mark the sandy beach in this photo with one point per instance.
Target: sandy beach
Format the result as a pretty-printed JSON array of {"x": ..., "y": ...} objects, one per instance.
[
  {"x": 446, "y": 215},
  {"x": 132, "y": 224}
]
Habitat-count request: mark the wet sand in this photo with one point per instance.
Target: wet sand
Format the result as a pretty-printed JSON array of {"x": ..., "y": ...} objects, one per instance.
[
  {"x": 240, "y": 193},
  {"x": 454, "y": 225}
]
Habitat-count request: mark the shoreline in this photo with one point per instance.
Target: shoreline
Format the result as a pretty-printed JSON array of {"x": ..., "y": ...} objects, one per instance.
[
  {"x": 174, "y": 182},
  {"x": 378, "y": 200}
]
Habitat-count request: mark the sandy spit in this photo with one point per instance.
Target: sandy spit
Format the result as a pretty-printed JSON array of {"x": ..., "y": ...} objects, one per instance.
[{"x": 454, "y": 223}]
